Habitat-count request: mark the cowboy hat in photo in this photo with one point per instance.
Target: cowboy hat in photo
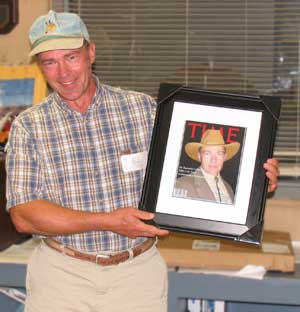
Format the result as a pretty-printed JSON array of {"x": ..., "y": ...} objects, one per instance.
[{"x": 211, "y": 137}]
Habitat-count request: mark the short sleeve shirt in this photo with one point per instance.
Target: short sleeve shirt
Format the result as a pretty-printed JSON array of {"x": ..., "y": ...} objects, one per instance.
[{"x": 57, "y": 154}]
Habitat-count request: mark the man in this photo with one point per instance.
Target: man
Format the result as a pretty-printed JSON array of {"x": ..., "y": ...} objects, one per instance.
[
  {"x": 74, "y": 177},
  {"x": 66, "y": 182},
  {"x": 205, "y": 182}
]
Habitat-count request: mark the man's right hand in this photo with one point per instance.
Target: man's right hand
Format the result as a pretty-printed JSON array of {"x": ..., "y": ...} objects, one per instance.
[
  {"x": 130, "y": 222},
  {"x": 46, "y": 218}
]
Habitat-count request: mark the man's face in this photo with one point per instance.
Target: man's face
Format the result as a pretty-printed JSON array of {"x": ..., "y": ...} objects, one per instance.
[
  {"x": 69, "y": 72},
  {"x": 212, "y": 158}
]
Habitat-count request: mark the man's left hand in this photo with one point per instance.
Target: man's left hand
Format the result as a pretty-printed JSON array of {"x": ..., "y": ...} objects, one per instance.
[{"x": 272, "y": 172}]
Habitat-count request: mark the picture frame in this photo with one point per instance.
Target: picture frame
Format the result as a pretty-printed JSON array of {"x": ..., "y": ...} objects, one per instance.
[
  {"x": 21, "y": 85},
  {"x": 213, "y": 141},
  {"x": 20, "y": 88},
  {"x": 9, "y": 15}
]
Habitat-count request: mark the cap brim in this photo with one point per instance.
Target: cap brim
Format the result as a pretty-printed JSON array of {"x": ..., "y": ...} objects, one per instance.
[{"x": 57, "y": 44}]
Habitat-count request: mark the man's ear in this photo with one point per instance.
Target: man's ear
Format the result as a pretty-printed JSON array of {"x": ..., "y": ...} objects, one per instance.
[
  {"x": 226, "y": 155},
  {"x": 92, "y": 52},
  {"x": 199, "y": 156}
]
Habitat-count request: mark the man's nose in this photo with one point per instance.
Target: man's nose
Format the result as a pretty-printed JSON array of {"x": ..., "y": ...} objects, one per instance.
[
  {"x": 213, "y": 158},
  {"x": 63, "y": 69}
]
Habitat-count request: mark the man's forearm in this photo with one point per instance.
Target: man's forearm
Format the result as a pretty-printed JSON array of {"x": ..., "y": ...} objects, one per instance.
[{"x": 46, "y": 218}]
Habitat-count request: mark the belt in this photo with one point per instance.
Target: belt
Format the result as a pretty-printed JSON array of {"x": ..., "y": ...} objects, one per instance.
[{"x": 101, "y": 259}]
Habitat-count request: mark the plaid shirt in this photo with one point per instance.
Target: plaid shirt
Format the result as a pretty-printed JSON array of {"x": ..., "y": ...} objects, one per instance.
[{"x": 57, "y": 154}]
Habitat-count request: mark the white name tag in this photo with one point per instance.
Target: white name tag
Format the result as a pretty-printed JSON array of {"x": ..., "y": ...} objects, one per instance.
[{"x": 133, "y": 162}]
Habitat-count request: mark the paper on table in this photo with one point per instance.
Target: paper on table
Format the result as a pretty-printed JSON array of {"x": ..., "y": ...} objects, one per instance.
[
  {"x": 252, "y": 271},
  {"x": 248, "y": 271}
]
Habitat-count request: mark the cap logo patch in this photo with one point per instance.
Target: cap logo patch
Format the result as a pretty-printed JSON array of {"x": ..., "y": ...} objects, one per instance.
[{"x": 50, "y": 27}]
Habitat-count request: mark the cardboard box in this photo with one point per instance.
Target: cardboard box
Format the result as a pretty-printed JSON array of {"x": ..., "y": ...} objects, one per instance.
[{"x": 203, "y": 252}]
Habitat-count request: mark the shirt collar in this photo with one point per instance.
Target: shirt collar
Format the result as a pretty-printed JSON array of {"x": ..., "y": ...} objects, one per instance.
[{"x": 209, "y": 176}]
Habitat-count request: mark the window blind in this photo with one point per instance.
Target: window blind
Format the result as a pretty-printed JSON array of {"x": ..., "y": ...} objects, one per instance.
[{"x": 244, "y": 46}]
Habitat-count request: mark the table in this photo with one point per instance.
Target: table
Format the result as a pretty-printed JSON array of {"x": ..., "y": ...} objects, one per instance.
[{"x": 275, "y": 292}]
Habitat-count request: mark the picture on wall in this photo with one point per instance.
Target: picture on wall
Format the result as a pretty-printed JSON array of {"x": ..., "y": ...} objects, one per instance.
[{"x": 20, "y": 87}]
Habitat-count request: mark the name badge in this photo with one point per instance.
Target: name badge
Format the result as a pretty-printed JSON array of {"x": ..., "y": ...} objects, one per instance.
[{"x": 133, "y": 162}]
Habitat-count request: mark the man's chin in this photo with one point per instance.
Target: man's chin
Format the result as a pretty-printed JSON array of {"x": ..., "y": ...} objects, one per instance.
[
  {"x": 214, "y": 173},
  {"x": 68, "y": 97}
]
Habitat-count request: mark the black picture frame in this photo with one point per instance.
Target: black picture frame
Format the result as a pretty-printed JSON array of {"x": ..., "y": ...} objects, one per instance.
[
  {"x": 9, "y": 15},
  {"x": 249, "y": 120}
]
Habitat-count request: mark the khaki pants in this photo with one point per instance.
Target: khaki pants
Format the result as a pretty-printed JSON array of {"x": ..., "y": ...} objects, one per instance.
[{"x": 56, "y": 282}]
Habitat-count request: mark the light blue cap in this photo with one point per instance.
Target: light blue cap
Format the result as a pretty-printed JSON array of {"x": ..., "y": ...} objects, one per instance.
[{"x": 56, "y": 31}]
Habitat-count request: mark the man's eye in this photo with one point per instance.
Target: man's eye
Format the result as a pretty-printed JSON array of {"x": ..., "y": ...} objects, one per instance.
[
  {"x": 72, "y": 57},
  {"x": 48, "y": 63}
]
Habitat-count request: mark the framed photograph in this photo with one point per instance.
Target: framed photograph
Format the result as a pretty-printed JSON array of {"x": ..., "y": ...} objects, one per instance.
[
  {"x": 20, "y": 87},
  {"x": 9, "y": 15},
  {"x": 205, "y": 164}
]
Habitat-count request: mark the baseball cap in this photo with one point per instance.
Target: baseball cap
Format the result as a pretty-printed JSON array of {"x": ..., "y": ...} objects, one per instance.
[{"x": 56, "y": 31}]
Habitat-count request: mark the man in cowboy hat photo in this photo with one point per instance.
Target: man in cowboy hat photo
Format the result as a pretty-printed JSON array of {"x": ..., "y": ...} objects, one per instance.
[{"x": 206, "y": 182}]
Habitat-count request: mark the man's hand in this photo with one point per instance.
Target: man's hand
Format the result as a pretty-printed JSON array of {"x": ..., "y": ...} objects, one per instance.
[
  {"x": 272, "y": 172},
  {"x": 129, "y": 222}
]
